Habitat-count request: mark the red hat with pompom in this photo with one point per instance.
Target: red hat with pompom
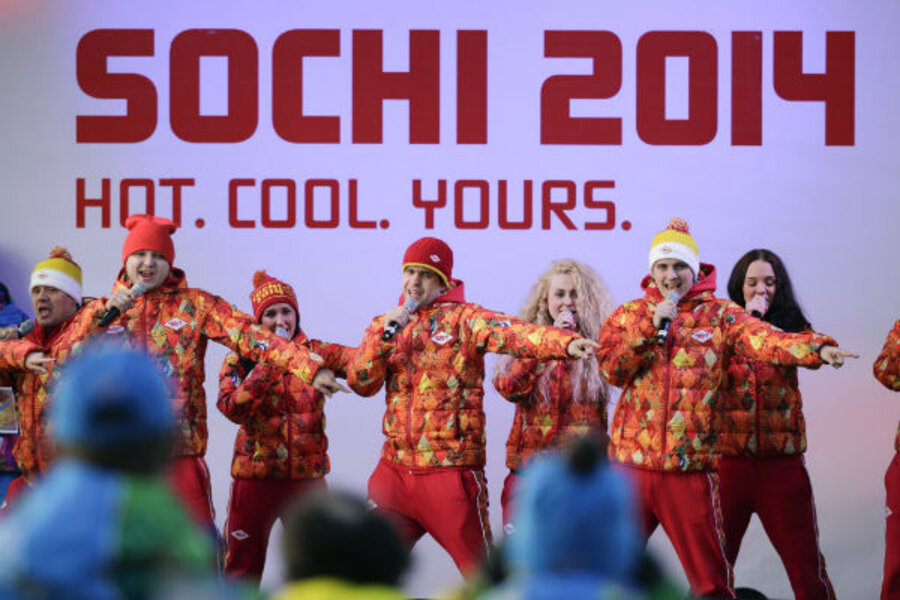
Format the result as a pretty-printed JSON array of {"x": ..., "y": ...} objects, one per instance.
[{"x": 268, "y": 291}]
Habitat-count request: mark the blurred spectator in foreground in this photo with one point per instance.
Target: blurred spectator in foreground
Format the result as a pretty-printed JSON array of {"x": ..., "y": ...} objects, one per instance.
[
  {"x": 336, "y": 548},
  {"x": 576, "y": 533},
  {"x": 10, "y": 314},
  {"x": 102, "y": 523}
]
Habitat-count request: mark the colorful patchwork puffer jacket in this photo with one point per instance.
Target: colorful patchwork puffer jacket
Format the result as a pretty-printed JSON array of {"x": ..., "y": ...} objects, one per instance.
[
  {"x": 665, "y": 419},
  {"x": 282, "y": 434},
  {"x": 762, "y": 411},
  {"x": 33, "y": 450},
  {"x": 434, "y": 371},
  {"x": 541, "y": 425},
  {"x": 887, "y": 367},
  {"x": 173, "y": 324}
]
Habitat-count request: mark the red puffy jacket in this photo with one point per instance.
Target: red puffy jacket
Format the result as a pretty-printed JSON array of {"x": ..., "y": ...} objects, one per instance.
[
  {"x": 665, "y": 417},
  {"x": 282, "y": 434},
  {"x": 887, "y": 367},
  {"x": 434, "y": 371}
]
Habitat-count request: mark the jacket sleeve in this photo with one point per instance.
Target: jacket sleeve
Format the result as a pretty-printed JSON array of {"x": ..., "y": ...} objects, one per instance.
[
  {"x": 367, "y": 370},
  {"x": 504, "y": 334},
  {"x": 242, "y": 394},
  {"x": 761, "y": 341},
  {"x": 14, "y": 352},
  {"x": 627, "y": 343},
  {"x": 516, "y": 378},
  {"x": 236, "y": 330},
  {"x": 887, "y": 366},
  {"x": 336, "y": 357}
]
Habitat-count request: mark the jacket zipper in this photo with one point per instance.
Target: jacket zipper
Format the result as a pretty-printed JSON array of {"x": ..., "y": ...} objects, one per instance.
[
  {"x": 669, "y": 346},
  {"x": 756, "y": 407},
  {"x": 411, "y": 393}
]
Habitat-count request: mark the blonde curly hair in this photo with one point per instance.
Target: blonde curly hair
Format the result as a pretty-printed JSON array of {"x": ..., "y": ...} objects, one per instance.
[{"x": 593, "y": 303}]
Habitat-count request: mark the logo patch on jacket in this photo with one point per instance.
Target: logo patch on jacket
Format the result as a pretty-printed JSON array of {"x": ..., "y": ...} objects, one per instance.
[
  {"x": 240, "y": 535},
  {"x": 114, "y": 329},
  {"x": 441, "y": 338},
  {"x": 175, "y": 323},
  {"x": 702, "y": 335}
]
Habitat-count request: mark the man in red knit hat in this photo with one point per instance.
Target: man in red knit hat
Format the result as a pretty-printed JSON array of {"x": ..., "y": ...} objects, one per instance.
[
  {"x": 173, "y": 323},
  {"x": 281, "y": 449},
  {"x": 668, "y": 351},
  {"x": 430, "y": 478}
]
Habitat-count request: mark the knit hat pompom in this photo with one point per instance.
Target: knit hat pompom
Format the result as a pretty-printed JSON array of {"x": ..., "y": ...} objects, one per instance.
[
  {"x": 58, "y": 271},
  {"x": 675, "y": 241},
  {"x": 147, "y": 232},
  {"x": 268, "y": 291}
]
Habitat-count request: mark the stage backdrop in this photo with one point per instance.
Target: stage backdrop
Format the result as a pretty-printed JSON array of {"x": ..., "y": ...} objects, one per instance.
[{"x": 317, "y": 140}]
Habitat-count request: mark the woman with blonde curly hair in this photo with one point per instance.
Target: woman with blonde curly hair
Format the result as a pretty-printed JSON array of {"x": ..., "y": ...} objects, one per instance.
[{"x": 558, "y": 399}]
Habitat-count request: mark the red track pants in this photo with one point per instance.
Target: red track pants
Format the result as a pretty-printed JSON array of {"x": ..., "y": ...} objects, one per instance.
[
  {"x": 687, "y": 507},
  {"x": 449, "y": 503},
  {"x": 890, "y": 588},
  {"x": 778, "y": 490}
]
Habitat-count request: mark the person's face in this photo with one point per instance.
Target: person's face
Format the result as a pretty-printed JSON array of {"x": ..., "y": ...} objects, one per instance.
[
  {"x": 279, "y": 316},
  {"x": 52, "y": 306},
  {"x": 561, "y": 294},
  {"x": 147, "y": 266},
  {"x": 421, "y": 284},
  {"x": 672, "y": 275},
  {"x": 759, "y": 281}
]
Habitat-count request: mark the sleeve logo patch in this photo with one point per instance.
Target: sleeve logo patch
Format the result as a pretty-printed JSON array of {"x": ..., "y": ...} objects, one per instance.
[
  {"x": 441, "y": 338},
  {"x": 175, "y": 323},
  {"x": 702, "y": 335}
]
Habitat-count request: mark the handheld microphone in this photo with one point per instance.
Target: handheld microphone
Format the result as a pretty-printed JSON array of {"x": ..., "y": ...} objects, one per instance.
[
  {"x": 663, "y": 333},
  {"x": 391, "y": 329},
  {"x": 24, "y": 328},
  {"x": 137, "y": 290},
  {"x": 283, "y": 333},
  {"x": 571, "y": 316}
]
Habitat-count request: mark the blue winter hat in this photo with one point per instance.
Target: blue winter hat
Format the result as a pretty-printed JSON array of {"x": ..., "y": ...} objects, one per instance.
[
  {"x": 569, "y": 521},
  {"x": 110, "y": 395}
]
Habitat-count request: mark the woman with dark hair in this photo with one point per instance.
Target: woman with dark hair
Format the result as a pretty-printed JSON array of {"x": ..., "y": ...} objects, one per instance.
[{"x": 763, "y": 435}]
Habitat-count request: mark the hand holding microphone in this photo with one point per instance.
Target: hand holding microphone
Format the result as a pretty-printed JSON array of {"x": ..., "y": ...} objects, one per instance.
[
  {"x": 397, "y": 318},
  {"x": 666, "y": 312},
  {"x": 758, "y": 305},
  {"x": 565, "y": 319},
  {"x": 17, "y": 333},
  {"x": 120, "y": 301}
]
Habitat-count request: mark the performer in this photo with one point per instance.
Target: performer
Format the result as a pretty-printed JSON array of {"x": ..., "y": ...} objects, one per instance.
[
  {"x": 662, "y": 429},
  {"x": 56, "y": 296},
  {"x": 431, "y": 475},
  {"x": 763, "y": 435},
  {"x": 887, "y": 371},
  {"x": 173, "y": 323},
  {"x": 281, "y": 449},
  {"x": 561, "y": 399}
]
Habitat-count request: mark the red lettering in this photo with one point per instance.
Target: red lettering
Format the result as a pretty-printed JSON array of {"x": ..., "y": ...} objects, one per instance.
[
  {"x": 700, "y": 126},
  {"x": 184, "y": 88},
  {"x": 471, "y": 87},
  {"x": 503, "y": 211},
  {"x": 746, "y": 88},
  {"x": 608, "y": 206},
  {"x": 372, "y": 86},
  {"x": 557, "y": 126},
  {"x": 139, "y": 93},
  {"x": 355, "y": 222},
  {"x": 548, "y": 206},
  {"x": 82, "y": 202},
  {"x": 233, "y": 219},
  {"x": 429, "y": 205},
  {"x": 291, "y": 194},
  {"x": 176, "y": 185},
  {"x": 287, "y": 86},
  {"x": 309, "y": 191},
  {"x": 124, "y": 189},
  {"x": 835, "y": 87},
  {"x": 484, "y": 209}
]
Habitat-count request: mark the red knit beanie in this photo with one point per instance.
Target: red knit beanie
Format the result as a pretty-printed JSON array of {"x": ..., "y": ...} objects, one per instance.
[
  {"x": 147, "y": 232},
  {"x": 433, "y": 254},
  {"x": 268, "y": 291}
]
